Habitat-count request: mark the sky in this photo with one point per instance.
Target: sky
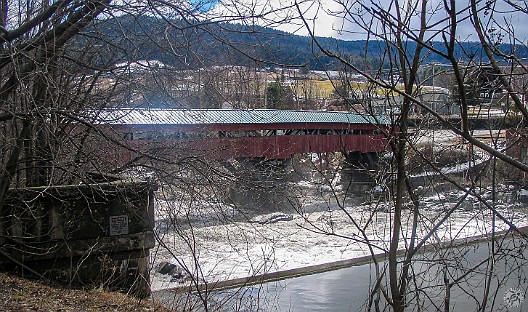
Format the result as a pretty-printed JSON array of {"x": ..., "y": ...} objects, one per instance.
[{"x": 325, "y": 17}]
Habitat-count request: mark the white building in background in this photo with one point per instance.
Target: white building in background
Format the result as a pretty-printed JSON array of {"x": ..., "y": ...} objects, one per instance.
[{"x": 438, "y": 100}]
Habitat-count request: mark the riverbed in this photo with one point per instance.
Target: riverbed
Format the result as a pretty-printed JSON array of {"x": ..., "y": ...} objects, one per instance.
[{"x": 326, "y": 223}]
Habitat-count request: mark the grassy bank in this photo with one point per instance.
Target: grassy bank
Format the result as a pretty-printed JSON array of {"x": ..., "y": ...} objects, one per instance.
[{"x": 18, "y": 294}]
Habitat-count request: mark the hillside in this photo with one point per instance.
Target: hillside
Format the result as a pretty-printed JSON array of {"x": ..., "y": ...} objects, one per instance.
[{"x": 185, "y": 45}]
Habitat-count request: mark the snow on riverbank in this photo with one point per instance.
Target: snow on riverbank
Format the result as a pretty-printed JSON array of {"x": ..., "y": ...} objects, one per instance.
[{"x": 276, "y": 242}]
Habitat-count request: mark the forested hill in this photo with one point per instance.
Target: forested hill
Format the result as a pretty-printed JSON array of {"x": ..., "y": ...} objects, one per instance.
[{"x": 191, "y": 46}]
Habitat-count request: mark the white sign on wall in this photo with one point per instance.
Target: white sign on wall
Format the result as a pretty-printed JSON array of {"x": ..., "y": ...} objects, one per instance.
[{"x": 118, "y": 225}]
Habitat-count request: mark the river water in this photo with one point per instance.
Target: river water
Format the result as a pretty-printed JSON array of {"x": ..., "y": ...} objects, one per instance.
[
  {"x": 241, "y": 248},
  {"x": 348, "y": 289}
]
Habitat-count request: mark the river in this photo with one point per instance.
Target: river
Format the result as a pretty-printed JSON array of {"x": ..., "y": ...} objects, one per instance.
[
  {"x": 348, "y": 289},
  {"x": 234, "y": 245}
]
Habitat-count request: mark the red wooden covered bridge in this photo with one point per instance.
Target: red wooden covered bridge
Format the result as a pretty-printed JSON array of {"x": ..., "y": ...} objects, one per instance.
[{"x": 258, "y": 133}]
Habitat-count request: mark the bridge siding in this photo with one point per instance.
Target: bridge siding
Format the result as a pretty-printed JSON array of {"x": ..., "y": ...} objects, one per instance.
[
  {"x": 281, "y": 147},
  {"x": 270, "y": 147},
  {"x": 217, "y": 147}
]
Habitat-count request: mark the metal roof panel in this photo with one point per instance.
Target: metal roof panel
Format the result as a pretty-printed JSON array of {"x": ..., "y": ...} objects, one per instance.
[{"x": 231, "y": 116}]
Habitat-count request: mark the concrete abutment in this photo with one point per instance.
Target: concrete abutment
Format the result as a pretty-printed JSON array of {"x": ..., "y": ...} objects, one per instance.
[{"x": 90, "y": 235}]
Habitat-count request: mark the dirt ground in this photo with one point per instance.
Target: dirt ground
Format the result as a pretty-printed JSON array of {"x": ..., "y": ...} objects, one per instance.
[{"x": 18, "y": 294}]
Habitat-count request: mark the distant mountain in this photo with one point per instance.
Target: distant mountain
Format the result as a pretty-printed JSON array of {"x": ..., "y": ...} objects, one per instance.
[{"x": 192, "y": 45}]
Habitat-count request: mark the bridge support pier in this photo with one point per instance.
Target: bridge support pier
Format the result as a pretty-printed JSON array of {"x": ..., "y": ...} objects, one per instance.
[
  {"x": 359, "y": 172},
  {"x": 368, "y": 161},
  {"x": 263, "y": 186},
  {"x": 92, "y": 234}
]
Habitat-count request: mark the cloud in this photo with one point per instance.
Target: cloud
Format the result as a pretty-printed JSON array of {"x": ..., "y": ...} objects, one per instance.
[{"x": 356, "y": 19}]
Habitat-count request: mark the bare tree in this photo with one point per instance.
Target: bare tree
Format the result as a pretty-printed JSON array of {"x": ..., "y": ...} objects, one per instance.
[
  {"x": 408, "y": 35},
  {"x": 59, "y": 67},
  {"x": 64, "y": 63}
]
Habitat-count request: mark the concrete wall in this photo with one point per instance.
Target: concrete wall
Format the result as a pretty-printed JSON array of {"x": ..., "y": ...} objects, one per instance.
[{"x": 81, "y": 235}]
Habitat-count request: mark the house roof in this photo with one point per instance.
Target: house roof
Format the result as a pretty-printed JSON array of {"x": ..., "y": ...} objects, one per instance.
[{"x": 133, "y": 116}]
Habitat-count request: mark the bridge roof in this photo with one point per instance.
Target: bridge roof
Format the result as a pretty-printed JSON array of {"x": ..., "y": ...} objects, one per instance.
[{"x": 133, "y": 116}]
